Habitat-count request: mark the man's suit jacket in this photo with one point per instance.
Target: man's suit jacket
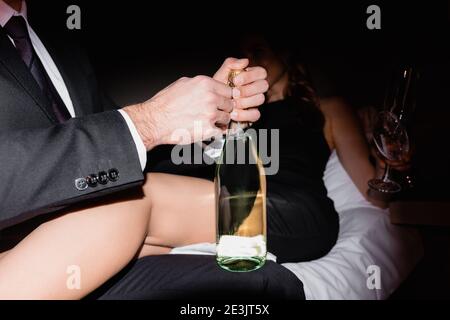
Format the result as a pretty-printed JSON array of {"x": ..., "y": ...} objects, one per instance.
[{"x": 40, "y": 160}]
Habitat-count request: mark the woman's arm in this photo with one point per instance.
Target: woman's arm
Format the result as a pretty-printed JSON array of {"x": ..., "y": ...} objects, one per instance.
[{"x": 344, "y": 130}]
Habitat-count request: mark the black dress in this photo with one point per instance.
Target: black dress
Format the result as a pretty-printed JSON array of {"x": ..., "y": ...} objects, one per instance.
[{"x": 302, "y": 223}]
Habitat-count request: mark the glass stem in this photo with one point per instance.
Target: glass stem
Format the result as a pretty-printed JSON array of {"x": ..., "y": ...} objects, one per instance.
[{"x": 387, "y": 170}]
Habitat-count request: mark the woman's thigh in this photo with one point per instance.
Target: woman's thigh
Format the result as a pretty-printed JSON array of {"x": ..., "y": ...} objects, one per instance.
[
  {"x": 183, "y": 210},
  {"x": 2, "y": 254},
  {"x": 69, "y": 256},
  {"x": 91, "y": 243}
]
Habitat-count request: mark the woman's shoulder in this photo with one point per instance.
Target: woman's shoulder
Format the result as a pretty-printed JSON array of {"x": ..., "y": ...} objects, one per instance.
[
  {"x": 335, "y": 106},
  {"x": 340, "y": 118}
]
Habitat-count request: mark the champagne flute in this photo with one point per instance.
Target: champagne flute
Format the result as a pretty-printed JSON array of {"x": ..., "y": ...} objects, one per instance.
[
  {"x": 392, "y": 141},
  {"x": 400, "y": 100}
]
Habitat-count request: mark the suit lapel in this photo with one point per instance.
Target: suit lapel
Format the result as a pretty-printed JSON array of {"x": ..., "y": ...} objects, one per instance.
[{"x": 14, "y": 64}]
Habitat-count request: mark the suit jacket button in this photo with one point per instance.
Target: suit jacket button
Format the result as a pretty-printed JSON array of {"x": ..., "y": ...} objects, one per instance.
[
  {"x": 81, "y": 184},
  {"x": 113, "y": 174},
  {"x": 92, "y": 180},
  {"x": 102, "y": 177}
]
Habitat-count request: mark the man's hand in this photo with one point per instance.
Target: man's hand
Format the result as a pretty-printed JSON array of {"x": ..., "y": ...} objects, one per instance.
[
  {"x": 251, "y": 85},
  {"x": 188, "y": 110},
  {"x": 196, "y": 109}
]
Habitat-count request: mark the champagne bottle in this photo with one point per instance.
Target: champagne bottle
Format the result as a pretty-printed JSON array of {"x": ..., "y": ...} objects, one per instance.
[{"x": 240, "y": 190}]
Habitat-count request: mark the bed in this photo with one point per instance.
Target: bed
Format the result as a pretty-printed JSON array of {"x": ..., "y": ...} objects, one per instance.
[{"x": 371, "y": 258}]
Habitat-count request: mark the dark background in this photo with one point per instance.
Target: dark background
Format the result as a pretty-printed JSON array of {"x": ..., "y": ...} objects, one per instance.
[{"x": 138, "y": 47}]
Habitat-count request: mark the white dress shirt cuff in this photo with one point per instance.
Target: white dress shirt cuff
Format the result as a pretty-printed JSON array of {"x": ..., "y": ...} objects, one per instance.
[{"x": 140, "y": 147}]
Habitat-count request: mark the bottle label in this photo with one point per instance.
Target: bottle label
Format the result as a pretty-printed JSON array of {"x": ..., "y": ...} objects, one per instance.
[{"x": 238, "y": 246}]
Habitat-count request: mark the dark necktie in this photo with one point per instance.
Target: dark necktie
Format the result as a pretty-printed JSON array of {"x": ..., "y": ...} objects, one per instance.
[{"x": 16, "y": 28}]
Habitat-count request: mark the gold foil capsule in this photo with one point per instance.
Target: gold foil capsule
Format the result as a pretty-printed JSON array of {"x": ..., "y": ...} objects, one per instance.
[{"x": 231, "y": 76}]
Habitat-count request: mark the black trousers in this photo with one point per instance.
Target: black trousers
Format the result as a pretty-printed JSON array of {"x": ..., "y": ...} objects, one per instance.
[{"x": 190, "y": 277}]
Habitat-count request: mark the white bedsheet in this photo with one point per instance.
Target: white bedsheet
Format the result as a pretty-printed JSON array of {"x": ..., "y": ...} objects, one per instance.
[{"x": 367, "y": 241}]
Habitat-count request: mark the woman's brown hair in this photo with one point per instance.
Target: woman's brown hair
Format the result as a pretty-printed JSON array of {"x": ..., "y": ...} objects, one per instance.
[{"x": 300, "y": 88}]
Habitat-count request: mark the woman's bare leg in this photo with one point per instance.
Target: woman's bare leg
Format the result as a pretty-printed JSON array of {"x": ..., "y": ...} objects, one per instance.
[
  {"x": 182, "y": 211},
  {"x": 2, "y": 254},
  {"x": 96, "y": 241},
  {"x": 100, "y": 239}
]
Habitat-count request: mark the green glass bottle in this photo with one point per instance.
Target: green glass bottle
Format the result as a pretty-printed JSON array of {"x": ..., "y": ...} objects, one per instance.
[{"x": 240, "y": 188}]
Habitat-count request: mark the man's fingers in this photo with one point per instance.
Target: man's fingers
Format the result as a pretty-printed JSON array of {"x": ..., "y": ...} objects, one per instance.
[
  {"x": 222, "y": 89},
  {"x": 228, "y": 65},
  {"x": 250, "y": 75},
  {"x": 248, "y": 115},
  {"x": 237, "y": 64},
  {"x": 222, "y": 118},
  {"x": 250, "y": 102},
  {"x": 257, "y": 87},
  {"x": 226, "y": 104}
]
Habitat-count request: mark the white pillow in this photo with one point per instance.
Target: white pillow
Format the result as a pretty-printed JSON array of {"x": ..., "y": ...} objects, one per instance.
[
  {"x": 340, "y": 186},
  {"x": 367, "y": 241}
]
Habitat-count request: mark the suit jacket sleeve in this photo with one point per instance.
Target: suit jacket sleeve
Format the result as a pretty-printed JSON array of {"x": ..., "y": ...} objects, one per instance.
[{"x": 39, "y": 167}]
